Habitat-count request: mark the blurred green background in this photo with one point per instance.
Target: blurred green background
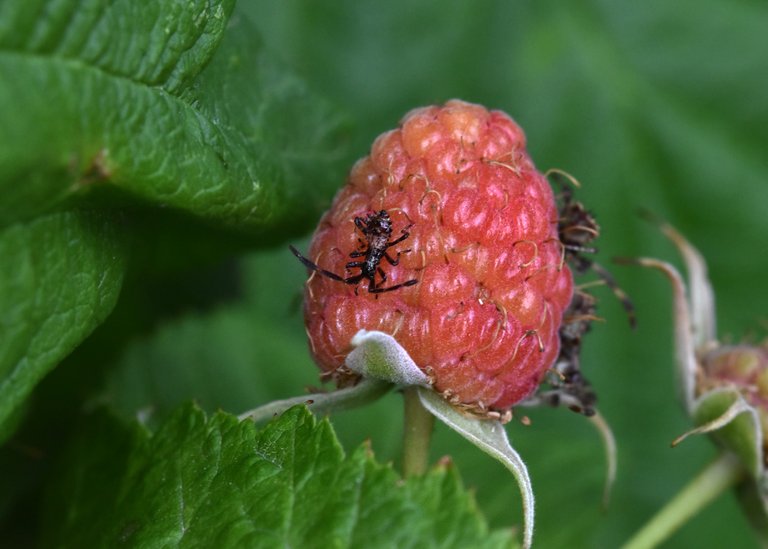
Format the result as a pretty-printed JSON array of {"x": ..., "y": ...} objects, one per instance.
[{"x": 656, "y": 105}]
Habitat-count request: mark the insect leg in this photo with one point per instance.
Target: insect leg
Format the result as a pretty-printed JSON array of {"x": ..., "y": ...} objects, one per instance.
[
  {"x": 399, "y": 239},
  {"x": 314, "y": 267},
  {"x": 355, "y": 265},
  {"x": 580, "y": 249},
  {"x": 396, "y": 260},
  {"x": 606, "y": 277},
  {"x": 391, "y": 288},
  {"x": 353, "y": 279}
]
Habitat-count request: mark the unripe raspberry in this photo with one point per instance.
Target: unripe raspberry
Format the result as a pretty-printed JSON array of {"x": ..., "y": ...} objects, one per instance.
[
  {"x": 744, "y": 367},
  {"x": 482, "y": 242}
]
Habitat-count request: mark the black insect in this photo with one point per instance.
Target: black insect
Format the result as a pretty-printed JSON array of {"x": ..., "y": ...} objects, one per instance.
[
  {"x": 577, "y": 228},
  {"x": 569, "y": 386},
  {"x": 377, "y": 230},
  {"x": 565, "y": 384}
]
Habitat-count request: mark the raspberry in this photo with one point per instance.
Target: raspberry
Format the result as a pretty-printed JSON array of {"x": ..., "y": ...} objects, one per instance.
[
  {"x": 744, "y": 367},
  {"x": 484, "y": 316}
]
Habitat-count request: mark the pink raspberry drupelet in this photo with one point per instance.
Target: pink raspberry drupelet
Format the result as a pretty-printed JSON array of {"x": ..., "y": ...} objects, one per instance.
[{"x": 483, "y": 319}]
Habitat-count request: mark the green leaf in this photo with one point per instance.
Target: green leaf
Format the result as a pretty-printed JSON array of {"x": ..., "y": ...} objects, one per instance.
[
  {"x": 204, "y": 482},
  {"x": 111, "y": 104},
  {"x": 170, "y": 102},
  {"x": 59, "y": 278},
  {"x": 162, "y": 44}
]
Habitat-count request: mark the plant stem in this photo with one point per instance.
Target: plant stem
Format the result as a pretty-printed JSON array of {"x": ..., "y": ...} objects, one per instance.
[
  {"x": 417, "y": 431},
  {"x": 364, "y": 392},
  {"x": 716, "y": 477}
]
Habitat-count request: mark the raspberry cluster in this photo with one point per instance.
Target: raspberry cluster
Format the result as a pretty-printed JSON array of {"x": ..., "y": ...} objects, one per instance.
[{"x": 482, "y": 242}]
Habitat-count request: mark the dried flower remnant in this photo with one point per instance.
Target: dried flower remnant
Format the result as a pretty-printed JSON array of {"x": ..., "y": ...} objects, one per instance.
[{"x": 724, "y": 387}]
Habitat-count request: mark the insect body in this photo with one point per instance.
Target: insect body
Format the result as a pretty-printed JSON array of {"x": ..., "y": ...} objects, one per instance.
[
  {"x": 576, "y": 229},
  {"x": 570, "y": 386},
  {"x": 377, "y": 230}
]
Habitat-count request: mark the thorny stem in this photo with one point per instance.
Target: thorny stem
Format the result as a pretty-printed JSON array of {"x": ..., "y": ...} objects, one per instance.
[
  {"x": 417, "y": 431},
  {"x": 716, "y": 477}
]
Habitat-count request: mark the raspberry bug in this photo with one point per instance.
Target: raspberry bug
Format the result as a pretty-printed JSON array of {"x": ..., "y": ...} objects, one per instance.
[
  {"x": 577, "y": 228},
  {"x": 376, "y": 227}
]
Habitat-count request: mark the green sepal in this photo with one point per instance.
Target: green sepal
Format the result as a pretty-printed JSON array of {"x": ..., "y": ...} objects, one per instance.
[{"x": 742, "y": 434}]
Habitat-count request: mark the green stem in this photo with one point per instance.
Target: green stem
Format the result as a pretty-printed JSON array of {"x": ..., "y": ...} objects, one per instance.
[
  {"x": 716, "y": 477},
  {"x": 417, "y": 432},
  {"x": 364, "y": 392}
]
